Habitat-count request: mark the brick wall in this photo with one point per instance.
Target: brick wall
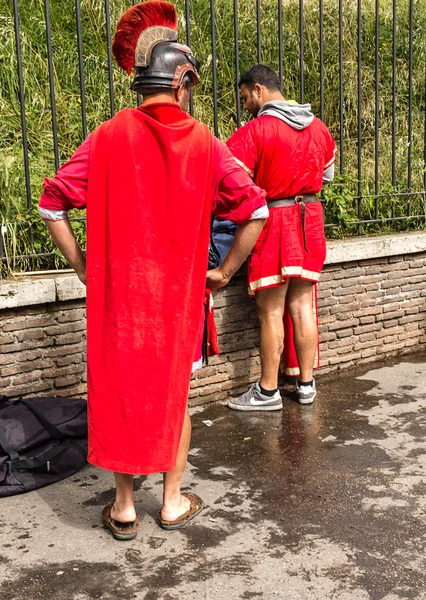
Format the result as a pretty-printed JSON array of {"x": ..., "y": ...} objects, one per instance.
[
  {"x": 371, "y": 309},
  {"x": 238, "y": 363},
  {"x": 368, "y": 309},
  {"x": 42, "y": 350}
]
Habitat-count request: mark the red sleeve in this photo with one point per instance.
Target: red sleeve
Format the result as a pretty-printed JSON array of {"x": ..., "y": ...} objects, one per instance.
[
  {"x": 331, "y": 149},
  {"x": 236, "y": 197},
  {"x": 68, "y": 188},
  {"x": 243, "y": 146}
]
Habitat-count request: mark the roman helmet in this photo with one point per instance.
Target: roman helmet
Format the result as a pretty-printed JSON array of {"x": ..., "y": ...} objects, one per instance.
[{"x": 145, "y": 45}]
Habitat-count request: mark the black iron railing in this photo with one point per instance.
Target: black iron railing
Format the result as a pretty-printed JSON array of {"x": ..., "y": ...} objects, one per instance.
[{"x": 216, "y": 90}]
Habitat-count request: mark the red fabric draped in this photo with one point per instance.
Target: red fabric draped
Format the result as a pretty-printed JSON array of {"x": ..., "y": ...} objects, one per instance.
[
  {"x": 212, "y": 337},
  {"x": 148, "y": 213},
  {"x": 289, "y": 364}
]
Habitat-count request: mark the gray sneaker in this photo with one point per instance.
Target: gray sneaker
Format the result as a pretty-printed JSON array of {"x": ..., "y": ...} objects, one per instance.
[
  {"x": 306, "y": 394},
  {"x": 255, "y": 400}
]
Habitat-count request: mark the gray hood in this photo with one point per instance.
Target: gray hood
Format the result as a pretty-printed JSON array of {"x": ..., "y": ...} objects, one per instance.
[{"x": 298, "y": 116}]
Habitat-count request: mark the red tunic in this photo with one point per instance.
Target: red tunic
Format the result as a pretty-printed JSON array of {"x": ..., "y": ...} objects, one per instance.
[
  {"x": 148, "y": 177},
  {"x": 286, "y": 162}
]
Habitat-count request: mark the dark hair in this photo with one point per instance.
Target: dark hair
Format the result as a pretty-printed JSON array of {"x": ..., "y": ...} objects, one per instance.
[{"x": 263, "y": 75}]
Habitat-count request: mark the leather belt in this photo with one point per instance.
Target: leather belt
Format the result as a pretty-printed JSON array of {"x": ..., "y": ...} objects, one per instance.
[{"x": 301, "y": 199}]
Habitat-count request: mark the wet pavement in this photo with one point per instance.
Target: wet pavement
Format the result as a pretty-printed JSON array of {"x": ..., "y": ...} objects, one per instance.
[{"x": 322, "y": 502}]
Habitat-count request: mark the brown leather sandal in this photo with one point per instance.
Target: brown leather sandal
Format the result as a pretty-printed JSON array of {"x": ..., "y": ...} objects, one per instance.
[
  {"x": 119, "y": 530},
  {"x": 195, "y": 508}
]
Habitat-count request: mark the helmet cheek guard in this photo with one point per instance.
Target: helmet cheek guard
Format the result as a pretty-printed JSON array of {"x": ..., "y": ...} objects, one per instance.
[{"x": 183, "y": 74}]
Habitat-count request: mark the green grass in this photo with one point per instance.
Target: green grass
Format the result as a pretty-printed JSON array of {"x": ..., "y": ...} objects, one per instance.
[{"x": 341, "y": 205}]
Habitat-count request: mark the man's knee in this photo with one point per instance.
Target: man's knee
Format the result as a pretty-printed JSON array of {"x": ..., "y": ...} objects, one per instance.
[
  {"x": 270, "y": 303},
  {"x": 299, "y": 299},
  {"x": 301, "y": 313},
  {"x": 270, "y": 317}
]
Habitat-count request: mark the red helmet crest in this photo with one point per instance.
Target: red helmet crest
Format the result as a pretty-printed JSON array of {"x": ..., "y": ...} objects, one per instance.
[{"x": 140, "y": 29}]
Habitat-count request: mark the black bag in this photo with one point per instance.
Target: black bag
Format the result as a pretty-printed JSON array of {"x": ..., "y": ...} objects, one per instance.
[{"x": 42, "y": 440}]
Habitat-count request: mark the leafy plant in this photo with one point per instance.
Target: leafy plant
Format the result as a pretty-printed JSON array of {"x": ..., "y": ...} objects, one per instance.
[{"x": 342, "y": 205}]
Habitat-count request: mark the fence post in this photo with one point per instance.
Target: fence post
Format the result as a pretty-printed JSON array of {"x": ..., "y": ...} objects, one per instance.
[
  {"x": 237, "y": 64},
  {"x": 22, "y": 105},
  {"x": 110, "y": 73},
  {"x": 280, "y": 42},
  {"x": 51, "y": 83},
  {"x": 359, "y": 57},
  {"x": 81, "y": 68},
  {"x": 214, "y": 68}
]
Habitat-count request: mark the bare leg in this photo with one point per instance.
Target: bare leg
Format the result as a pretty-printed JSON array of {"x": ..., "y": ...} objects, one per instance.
[
  {"x": 299, "y": 302},
  {"x": 123, "y": 508},
  {"x": 174, "y": 504},
  {"x": 270, "y": 308}
]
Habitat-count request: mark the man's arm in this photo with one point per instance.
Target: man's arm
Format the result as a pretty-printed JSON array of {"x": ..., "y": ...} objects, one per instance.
[
  {"x": 328, "y": 174},
  {"x": 61, "y": 193},
  {"x": 329, "y": 157},
  {"x": 63, "y": 236},
  {"x": 245, "y": 238},
  {"x": 241, "y": 201}
]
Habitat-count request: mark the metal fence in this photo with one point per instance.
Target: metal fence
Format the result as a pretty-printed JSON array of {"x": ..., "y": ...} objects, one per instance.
[{"x": 403, "y": 19}]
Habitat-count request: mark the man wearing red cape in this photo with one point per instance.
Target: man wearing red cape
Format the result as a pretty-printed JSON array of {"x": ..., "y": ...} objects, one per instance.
[
  {"x": 150, "y": 179},
  {"x": 289, "y": 153}
]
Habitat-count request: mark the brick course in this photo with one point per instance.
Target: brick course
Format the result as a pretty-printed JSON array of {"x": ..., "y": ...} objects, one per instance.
[
  {"x": 392, "y": 315},
  {"x": 367, "y": 309},
  {"x": 42, "y": 350}
]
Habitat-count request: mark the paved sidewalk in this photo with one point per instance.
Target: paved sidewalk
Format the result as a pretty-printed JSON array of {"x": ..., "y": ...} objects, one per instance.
[{"x": 323, "y": 502}]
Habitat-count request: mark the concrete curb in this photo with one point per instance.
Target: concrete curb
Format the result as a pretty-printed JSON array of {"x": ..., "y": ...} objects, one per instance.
[
  {"x": 56, "y": 288},
  {"x": 69, "y": 287},
  {"x": 27, "y": 293},
  {"x": 375, "y": 247}
]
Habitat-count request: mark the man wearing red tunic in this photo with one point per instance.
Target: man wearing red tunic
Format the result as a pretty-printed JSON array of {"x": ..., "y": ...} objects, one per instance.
[
  {"x": 150, "y": 179},
  {"x": 289, "y": 153}
]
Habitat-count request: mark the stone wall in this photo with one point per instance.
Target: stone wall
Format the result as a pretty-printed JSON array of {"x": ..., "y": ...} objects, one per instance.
[
  {"x": 371, "y": 304},
  {"x": 42, "y": 350},
  {"x": 371, "y": 309}
]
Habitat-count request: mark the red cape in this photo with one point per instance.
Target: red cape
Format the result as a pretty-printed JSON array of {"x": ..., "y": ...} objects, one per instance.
[{"x": 148, "y": 227}]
